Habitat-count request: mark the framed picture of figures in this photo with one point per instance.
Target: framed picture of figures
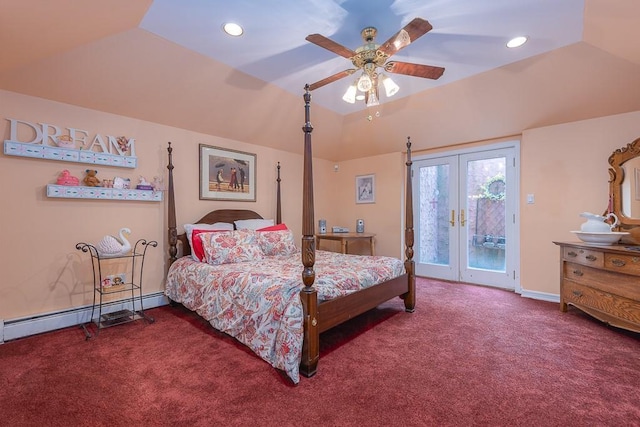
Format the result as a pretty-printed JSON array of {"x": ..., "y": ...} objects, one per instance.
[
  {"x": 366, "y": 189},
  {"x": 227, "y": 174}
]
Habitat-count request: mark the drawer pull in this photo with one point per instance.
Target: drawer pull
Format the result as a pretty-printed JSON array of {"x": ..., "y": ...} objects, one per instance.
[
  {"x": 577, "y": 293},
  {"x": 572, "y": 254},
  {"x": 591, "y": 257},
  {"x": 618, "y": 262},
  {"x": 578, "y": 273}
]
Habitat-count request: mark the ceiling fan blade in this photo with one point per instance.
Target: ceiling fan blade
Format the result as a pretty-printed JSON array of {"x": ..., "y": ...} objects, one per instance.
[
  {"x": 330, "y": 45},
  {"x": 331, "y": 79},
  {"x": 412, "y": 31},
  {"x": 416, "y": 70}
]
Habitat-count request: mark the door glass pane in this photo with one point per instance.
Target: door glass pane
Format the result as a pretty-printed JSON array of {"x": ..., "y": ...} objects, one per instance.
[
  {"x": 434, "y": 215},
  {"x": 486, "y": 214}
]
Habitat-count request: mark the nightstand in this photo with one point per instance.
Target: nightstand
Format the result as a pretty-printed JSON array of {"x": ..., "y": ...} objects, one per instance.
[{"x": 345, "y": 238}]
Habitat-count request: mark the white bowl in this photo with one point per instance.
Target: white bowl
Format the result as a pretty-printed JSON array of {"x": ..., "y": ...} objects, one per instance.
[{"x": 602, "y": 238}]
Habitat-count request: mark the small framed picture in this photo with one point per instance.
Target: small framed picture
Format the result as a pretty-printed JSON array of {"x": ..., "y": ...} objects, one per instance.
[
  {"x": 227, "y": 174},
  {"x": 366, "y": 189}
]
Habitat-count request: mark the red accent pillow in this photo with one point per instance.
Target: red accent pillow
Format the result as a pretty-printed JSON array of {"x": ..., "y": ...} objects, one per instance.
[
  {"x": 196, "y": 244},
  {"x": 277, "y": 227}
]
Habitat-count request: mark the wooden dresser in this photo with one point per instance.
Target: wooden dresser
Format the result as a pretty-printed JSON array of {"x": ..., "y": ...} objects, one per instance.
[{"x": 603, "y": 281}]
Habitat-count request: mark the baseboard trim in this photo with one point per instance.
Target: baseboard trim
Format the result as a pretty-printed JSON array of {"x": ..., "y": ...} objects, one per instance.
[
  {"x": 544, "y": 296},
  {"x": 26, "y": 326},
  {"x": 23, "y": 327}
]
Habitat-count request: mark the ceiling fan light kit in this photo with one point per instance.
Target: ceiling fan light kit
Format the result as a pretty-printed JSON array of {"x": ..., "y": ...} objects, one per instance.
[
  {"x": 390, "y": 87},
  {"x": 371, "y": 56},
  {"x": 364, "y": 83},
  {"x": 350, "y": 95},
  {"x": 372, "y": 99}
]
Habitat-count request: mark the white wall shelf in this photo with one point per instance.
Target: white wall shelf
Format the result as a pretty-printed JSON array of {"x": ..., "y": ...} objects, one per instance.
[
  {"x": 81, "y": 192},
  {"x": 37, "y": 151}
]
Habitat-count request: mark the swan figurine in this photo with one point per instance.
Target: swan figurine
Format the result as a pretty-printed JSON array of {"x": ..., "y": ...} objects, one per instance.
[{"x": 111, "y": 246}]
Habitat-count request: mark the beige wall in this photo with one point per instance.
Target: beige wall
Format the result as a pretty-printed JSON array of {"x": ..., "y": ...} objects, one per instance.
[
  {"x": 385, "y": 217},
  {"x": 42, "y": 270},
  {"x": 45, "y": 273},
  {"x": 565, "y": 166}
]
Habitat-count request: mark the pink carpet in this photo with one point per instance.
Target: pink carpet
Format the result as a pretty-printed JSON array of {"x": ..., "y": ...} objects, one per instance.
[{"x": 469, "y": 355}]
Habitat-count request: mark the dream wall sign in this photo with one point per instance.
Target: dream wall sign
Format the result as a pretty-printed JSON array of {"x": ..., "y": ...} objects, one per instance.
[{"x": 47, "y": 141}]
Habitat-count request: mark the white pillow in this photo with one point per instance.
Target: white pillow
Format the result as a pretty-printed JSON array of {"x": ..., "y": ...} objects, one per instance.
[
  {"x": 253, "y": 224},
  {"x": 218, "y": 226}
]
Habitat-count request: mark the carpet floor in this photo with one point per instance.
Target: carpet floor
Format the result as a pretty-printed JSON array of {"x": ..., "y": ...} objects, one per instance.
[{"x": 469, "y": 356}]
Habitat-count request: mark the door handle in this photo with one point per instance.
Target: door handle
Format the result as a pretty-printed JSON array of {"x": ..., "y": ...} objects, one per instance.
[
  {"x": 453, "y": 218},
  {"x": 462, "y": 221}
]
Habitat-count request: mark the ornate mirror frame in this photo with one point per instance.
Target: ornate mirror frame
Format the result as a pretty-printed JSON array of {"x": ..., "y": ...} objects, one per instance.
[{"x": 616, "y": 178}]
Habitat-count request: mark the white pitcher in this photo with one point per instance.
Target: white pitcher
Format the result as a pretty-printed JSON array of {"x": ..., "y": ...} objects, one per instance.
[{"x": 596, "y": 223}]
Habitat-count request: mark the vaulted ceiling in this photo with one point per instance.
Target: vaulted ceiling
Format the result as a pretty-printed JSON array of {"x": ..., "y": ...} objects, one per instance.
[{"x": 168, "y": 62}]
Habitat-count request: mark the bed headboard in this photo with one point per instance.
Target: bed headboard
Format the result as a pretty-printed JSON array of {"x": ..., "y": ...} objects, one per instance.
[{"x": 219, "y": 215}]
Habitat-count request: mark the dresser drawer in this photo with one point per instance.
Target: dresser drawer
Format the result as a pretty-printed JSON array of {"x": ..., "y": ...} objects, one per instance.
[
  {"x": 610, "y": 307},
  {"x": 607, "y": 281},
  {"x": 591, "y": 257},
  {"x": 622, "y": 263}
]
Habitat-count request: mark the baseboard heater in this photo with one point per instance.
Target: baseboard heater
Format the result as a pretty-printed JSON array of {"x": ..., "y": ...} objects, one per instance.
[{"x": 26, "y": 326}]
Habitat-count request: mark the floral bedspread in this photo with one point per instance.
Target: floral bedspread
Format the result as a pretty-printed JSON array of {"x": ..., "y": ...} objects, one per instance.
[{"x": 258, "y": 302}]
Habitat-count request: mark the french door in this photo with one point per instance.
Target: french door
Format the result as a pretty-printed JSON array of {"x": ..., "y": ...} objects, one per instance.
[{"x": 465, "y": 212}]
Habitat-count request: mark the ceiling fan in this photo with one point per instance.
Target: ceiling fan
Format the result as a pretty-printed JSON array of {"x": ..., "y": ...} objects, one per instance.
[{"x": 371, "y": 56}]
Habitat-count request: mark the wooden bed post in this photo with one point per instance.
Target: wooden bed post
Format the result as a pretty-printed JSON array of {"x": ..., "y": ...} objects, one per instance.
[
  {"x": 308, "y": 295},
  {"x": 409, "y": 263},
  {"x": 278, "y": 201},
  {"x": 173, "y": 234}
]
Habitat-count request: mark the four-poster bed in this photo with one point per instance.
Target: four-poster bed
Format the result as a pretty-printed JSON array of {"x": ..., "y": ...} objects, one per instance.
[{"x": 333, "y": 289}]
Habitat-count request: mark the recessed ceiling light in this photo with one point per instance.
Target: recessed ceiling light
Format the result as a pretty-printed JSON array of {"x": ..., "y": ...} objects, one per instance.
[
  {"x": 517, "y": 41},
  {"x": 359, "y": 97},
  {"x": 232, "y": 29}
]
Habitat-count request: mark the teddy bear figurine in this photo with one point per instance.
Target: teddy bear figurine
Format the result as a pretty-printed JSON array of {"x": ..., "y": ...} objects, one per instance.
[{"x": 91, "y": 180}]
